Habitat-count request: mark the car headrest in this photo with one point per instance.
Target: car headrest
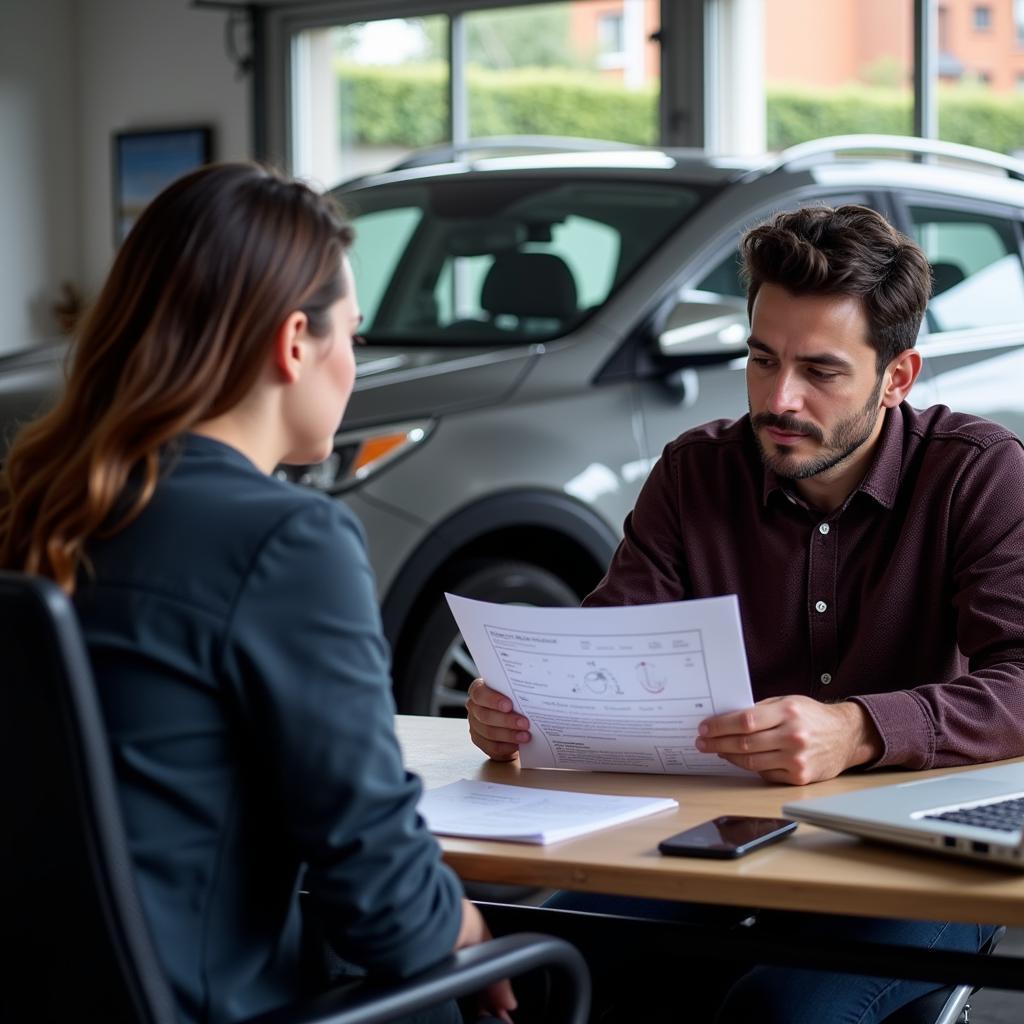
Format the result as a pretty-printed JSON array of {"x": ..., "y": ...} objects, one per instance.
[
  {"x": 529, "y": 284},
  {"x": 945, "y": 276}
]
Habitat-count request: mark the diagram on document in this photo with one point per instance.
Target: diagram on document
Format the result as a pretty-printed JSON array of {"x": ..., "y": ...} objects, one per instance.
[{"x": 613, "y": 689}]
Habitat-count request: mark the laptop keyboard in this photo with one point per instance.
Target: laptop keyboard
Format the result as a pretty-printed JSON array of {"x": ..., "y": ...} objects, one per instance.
[{"x": 1003, "y": 815}]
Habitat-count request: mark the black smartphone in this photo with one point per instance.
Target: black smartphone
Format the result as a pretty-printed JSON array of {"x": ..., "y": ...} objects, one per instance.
[{"x": 731, "y": 835}]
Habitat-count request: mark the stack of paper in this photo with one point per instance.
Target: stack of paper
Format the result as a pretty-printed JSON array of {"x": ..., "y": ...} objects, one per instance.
[{"x": 488, "y": 810}]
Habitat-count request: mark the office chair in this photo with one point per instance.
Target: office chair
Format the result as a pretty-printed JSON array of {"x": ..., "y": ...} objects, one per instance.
[
  {"x": 77, "y": 944},
  {"x": 948, "y": 1005}
]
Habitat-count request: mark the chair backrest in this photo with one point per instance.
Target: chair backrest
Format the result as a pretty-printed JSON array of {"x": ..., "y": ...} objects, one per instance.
[{"x": 76, "y": 945}]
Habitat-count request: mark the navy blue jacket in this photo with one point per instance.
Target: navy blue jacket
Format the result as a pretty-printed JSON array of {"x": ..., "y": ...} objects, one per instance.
[{"x": 235, "y": 638}]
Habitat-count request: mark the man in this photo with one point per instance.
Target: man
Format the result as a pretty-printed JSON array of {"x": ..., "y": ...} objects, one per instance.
[{"x": 877, "y": 551}]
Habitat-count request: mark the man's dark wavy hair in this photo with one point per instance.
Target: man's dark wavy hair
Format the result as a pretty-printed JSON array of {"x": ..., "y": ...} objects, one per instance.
[{"x": 849, "y": 250}]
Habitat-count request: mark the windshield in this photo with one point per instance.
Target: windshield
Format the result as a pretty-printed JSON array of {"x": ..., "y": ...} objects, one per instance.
[{"x": 455, "y": 261}]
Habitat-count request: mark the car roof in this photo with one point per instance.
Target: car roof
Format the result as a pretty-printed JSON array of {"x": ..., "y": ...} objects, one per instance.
[
  {"x": 683, "y": 165},
  {"x": 861, "y": 160}
]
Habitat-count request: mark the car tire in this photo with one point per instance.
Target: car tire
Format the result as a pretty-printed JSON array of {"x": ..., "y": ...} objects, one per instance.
[{"x": 438, "y": 670}]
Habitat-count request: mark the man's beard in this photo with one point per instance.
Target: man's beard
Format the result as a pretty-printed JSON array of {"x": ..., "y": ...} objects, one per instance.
[{"x": 847, "y": 436}]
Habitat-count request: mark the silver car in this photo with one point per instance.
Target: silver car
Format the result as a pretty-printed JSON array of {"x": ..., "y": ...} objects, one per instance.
[{"x": 540, "y": 326}]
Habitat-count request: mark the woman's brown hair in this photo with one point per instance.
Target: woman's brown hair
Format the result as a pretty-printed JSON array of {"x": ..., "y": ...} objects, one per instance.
[{"x": 179, "y": 334}]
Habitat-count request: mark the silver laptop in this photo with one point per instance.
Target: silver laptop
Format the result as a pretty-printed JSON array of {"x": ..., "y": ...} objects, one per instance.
[{"x": 977, "y": 813}]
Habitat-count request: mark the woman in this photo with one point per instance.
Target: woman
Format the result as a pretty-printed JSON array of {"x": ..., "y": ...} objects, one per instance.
[{"x": 230, "y": 617}]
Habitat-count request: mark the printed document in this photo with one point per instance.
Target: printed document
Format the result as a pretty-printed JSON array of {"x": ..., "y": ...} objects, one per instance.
[
  {"x": 489, "y": 810},
  {"x": 613, "y": 689}
]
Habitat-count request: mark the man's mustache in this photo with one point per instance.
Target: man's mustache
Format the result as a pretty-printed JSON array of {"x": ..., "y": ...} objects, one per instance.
[{"x": 788, "y": 423}]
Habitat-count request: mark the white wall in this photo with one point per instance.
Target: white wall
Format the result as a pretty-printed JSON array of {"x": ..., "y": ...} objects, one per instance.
[
  {"x": 72, "y": 72},
  {"x": 39, "y": 235},
  {"x": 146, "y": 64}
]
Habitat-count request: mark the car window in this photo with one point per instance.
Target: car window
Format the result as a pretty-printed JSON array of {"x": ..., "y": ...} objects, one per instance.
[
  {"x": 724, "y": 277},
  {"x": 457, "y": 261},
  {"x": 587, "y": 247},
  {"x": 459, "y": 301},
  {"x": 591, "y": 251},
  {"x": 382, "y": 237},
  {"x": 976, "y": 266}
]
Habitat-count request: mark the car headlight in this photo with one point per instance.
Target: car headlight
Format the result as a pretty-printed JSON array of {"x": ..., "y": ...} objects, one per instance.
[{"x": 358, "y": 455}]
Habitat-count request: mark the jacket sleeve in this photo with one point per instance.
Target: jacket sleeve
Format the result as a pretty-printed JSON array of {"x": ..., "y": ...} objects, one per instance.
[
  {"x": 647, "y": 567},
  {"x": 307, "y": 654},
  {"x": 978, "y": 715}
]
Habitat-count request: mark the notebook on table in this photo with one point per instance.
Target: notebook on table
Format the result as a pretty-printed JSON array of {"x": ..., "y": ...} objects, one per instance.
[{"x": 977, "y": 813}]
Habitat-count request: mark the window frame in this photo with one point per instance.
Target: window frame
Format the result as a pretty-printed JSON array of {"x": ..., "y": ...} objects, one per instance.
[
  {"x": 608, "y": 57},
  {"x": 688, "y": 101},
  {"x": 681, "y": 102}
]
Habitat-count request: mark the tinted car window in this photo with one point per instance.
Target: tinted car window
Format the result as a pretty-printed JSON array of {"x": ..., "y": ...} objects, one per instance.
[
  {"x": 976, "y": 265},
  {"x": 589, "y": 249},
  {"x": 724, "y": 277},
  {"x": 383, "y": 235},
  {"x": 461, "y": 261}
]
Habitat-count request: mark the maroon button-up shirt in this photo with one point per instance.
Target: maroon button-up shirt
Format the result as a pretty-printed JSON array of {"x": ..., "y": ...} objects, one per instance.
[{"x": 908, "y": 598}]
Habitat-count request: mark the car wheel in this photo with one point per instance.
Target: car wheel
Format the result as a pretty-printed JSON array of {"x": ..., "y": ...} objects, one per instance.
[{"x": 439, "y": 668}]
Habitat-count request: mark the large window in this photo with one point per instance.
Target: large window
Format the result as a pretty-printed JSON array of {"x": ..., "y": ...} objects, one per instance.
[
  {"x": 574, "y": 68},
  {"x": 365, "y": 94},
  {"x": 858, "y": 73},
  {"x": 980, "y": 65},
  {"x": 857, "y": 77},
  {"x": 363, "y": 82}
]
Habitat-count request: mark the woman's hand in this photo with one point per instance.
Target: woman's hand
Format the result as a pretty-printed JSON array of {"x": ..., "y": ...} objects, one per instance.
[
  {"x": 497, "y": 999},
  {"x": 493, "y": 726}
]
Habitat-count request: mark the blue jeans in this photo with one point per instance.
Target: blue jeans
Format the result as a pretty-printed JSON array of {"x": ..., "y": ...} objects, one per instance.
[{"x": 787, "y": 995}]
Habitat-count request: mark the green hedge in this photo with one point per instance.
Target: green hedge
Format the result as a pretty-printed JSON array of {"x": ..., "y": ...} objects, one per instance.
[
  {"x": 797, "y": 115},
  {"x": 966, "y": 115},
  {"x": 993, "y": 122},
  {"x": 394, "y": 106},
  {"x": 408, "y": 107},
  {"x": 550, "y": 102}
]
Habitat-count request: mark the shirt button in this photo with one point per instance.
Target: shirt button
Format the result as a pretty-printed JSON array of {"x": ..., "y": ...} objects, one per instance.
[
  {"x": 821, "y": 607},
  {"x": 823, "y": 528},
  {"x": 826, "y": 678}
]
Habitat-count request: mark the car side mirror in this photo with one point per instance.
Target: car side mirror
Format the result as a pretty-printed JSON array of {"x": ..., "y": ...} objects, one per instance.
[{"x": 700, "y": 333}]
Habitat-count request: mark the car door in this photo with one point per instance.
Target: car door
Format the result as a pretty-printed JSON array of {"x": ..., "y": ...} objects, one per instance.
[{"x": 974, "y": 345}]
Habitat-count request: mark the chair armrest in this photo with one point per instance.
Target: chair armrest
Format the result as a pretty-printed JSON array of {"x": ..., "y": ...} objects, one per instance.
[{"x": 468, "y": 970}]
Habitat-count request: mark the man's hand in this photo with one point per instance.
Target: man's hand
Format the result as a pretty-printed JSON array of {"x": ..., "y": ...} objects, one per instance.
[
  {"x": 498, "y": 999},
  {"x": 493, "y": 726},
  {"x": 795, "y": 739}
]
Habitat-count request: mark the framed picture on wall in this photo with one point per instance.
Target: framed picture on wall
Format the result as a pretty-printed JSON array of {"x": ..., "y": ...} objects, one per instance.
[{"x": 145, "y": 162}]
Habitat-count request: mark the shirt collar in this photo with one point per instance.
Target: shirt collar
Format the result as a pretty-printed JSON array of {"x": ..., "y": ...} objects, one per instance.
[{"x": 882, "y": 478}]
